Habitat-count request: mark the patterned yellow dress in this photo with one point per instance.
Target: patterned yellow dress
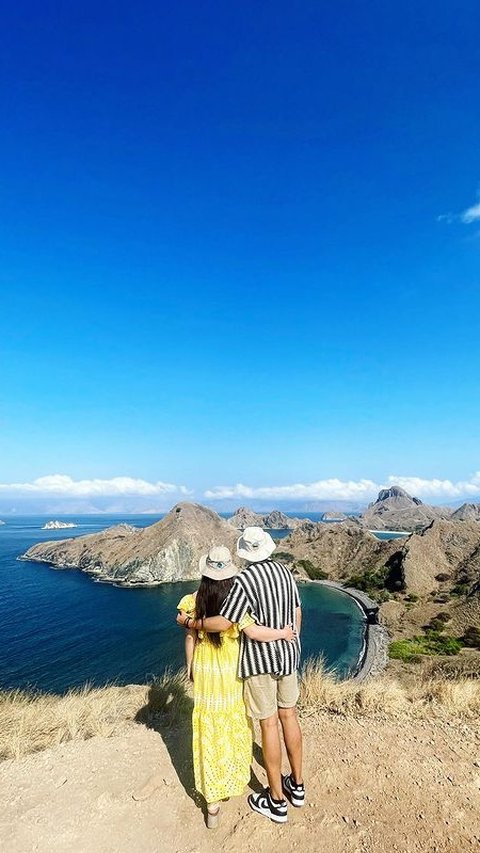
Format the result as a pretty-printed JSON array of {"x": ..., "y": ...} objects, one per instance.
[{"x": 222, "y": 731}]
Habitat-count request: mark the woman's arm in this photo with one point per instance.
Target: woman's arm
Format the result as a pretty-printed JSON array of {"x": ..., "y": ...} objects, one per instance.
[
  {"x": 265, "y": 635},
  {"x": 298, "y": 617},
  {"x": 190, "y": 640},
  {"x": 209, "y": 624}
]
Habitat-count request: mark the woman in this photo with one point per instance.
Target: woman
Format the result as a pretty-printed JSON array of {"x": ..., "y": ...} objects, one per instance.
[{"x": 222, "y": 731}]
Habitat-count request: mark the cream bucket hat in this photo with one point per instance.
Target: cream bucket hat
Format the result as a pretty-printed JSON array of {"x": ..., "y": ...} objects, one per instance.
[
  {"x": 255, "y": 545},
  {"x": 218, "y": 564}
]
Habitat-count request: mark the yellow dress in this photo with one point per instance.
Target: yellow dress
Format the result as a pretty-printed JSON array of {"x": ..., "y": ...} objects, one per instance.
[{"x": 222, "y": 731}]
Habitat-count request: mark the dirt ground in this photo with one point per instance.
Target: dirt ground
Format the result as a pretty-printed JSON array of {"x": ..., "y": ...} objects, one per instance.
[{"x": 373, "y": 786}]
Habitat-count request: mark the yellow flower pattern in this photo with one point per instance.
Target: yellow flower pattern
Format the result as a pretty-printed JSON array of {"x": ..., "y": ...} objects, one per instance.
[{"x": 222, "y": 731}]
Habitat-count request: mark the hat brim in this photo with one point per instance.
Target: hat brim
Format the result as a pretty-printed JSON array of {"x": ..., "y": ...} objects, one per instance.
[
  {"x": 262, "y": 553},
  {"x": 228, "y": 571}
]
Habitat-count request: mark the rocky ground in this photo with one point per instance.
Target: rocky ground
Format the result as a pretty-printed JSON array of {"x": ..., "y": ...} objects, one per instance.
[{"x": 374, "y": 785}]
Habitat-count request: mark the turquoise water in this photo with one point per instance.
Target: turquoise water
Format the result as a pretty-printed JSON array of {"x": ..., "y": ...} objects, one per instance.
[{"x": 60, "y": 629}]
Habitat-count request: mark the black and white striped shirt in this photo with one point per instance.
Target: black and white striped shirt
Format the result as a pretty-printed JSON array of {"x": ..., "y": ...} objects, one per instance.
[{"x": 269, "y": 593}]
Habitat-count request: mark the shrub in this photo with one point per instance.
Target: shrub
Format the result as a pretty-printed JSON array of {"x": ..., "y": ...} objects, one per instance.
[
  {"x": 382, "y": 595},
  {"x": 460, "y": 589},
  {"x": 431, "y": 643},
  {"x": 443, "y": 616},
  {"x": 406, "y": 650},
  {"x": 313, "y": 572},
  {"x": 284, "y": 556},
  {"x": 471, "y": 637},
  {"x": 435, "y": 624},
  {"x": 411, "y": 597}
]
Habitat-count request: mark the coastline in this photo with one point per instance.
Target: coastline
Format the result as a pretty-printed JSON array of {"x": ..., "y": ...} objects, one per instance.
[{"x": 373, "y": 657}]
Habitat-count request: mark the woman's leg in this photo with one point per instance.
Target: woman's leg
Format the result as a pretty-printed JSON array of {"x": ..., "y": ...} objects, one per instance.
[{"x": 213, "y": 814}]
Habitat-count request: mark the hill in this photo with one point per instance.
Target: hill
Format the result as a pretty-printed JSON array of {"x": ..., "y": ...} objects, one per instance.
[
  {"x": 163, "y": 552},
  {"x": 395, "y": 509}
]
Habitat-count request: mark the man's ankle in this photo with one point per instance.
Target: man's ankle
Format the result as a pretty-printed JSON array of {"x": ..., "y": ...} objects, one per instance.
[{"x": 277, "y": 796}]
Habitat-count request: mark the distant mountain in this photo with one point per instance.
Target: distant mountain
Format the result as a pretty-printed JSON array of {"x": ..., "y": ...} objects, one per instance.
[
  {"x": 395, "y": 509},
  {"x": 274, "y": 520},
  {"x": 467, "y": 512}
]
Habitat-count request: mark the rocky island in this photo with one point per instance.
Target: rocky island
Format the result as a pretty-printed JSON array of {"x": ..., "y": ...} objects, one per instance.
[
  {"x": 163, "y": 552},
  {"x": 331, "y": 515},
  {"x": 58, "y": 525},
  {"x": 274, "y": 520}
]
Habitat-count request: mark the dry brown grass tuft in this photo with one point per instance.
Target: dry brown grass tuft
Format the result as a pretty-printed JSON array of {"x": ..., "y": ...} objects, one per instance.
[
  {"x": 459, "y": 698},
  {"x": 319, "y": 691},
  {"x": 32, "y": 722},
  {"x": 386, "y": 696}
]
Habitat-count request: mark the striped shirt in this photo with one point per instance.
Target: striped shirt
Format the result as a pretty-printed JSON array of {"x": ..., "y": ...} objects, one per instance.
[{"x": 268, "y": 591}]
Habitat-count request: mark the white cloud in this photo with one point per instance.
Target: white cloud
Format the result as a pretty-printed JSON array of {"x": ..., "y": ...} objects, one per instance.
[
  {"x": 471, "y": 214},
  {"x": 320, "y": 490},
  {"x": 62, "y": 485},
  {"x": 334, "y": 489},
  {"x": 439, "y": 488},
  {"x": 467, "y": 217}
]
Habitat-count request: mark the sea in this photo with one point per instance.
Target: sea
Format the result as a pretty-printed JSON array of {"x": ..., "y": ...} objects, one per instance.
[{"x": 61, "y": 629}]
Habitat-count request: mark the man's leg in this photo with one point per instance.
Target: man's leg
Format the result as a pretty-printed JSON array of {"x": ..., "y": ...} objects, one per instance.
[
  {"x": 272, "y": 755},
  {"x": 292, "y": 736}
]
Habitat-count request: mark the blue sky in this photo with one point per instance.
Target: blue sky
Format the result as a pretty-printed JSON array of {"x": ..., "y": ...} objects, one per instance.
[{"x": 235, "y": 249}]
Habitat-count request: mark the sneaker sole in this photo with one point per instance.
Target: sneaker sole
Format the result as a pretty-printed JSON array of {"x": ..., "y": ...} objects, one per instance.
[{"x": 267, "y": 813}]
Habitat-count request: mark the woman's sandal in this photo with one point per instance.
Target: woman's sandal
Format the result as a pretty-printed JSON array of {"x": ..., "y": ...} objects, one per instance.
[{"x": 213, "y": 818}]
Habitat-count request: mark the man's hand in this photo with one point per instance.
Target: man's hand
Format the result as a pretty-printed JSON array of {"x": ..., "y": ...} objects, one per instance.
[{"x": 289, "y": 634}]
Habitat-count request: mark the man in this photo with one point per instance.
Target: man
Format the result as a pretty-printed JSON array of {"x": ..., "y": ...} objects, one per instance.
[{"x": 267, "y": 590}]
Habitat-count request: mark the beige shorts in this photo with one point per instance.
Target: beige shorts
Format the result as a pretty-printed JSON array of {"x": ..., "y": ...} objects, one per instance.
[{"x": 263, "y": 694}]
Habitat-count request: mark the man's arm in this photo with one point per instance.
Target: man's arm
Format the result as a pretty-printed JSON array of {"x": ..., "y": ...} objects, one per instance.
[{"x": 262, "y": 634}]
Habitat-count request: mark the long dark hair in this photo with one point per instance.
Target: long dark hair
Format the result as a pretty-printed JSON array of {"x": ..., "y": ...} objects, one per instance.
[{"x": 210, "y": 597}]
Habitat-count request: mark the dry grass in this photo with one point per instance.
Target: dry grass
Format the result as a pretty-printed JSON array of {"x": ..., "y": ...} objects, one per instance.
[
  {"x": 427, "y": 695},
  {"x": 33, "y": 722},
  {"x": 319, "y": 691},
  {"x": 30, "y": 722}
]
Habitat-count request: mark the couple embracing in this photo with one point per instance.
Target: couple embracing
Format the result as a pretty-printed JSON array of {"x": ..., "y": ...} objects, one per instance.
[{"x": 242, "y": 649}]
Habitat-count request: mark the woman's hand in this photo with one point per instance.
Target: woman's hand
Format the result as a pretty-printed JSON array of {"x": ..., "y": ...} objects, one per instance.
[
  {"x": 288, "y": 633},
  {"x": 181, "y": 618}
]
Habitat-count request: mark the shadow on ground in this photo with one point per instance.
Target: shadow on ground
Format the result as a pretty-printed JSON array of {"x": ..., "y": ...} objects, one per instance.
[{"x": 169, "y": 713}]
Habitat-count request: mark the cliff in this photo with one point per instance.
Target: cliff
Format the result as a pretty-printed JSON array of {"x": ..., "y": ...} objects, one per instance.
[
  {"x": 337, "y": 550},
  {"x": 166, "y": 551},
  {"x": 444, "y": 556}
]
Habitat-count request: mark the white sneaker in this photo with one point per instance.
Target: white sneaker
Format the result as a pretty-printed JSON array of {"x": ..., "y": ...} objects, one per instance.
[{"x": 263, "y": 803}]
